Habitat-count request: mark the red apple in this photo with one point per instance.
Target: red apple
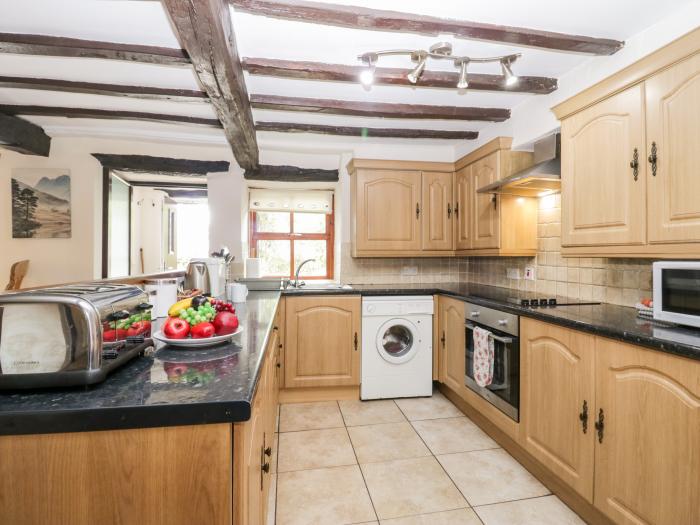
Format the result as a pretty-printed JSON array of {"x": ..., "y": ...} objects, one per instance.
[
  {"x": 176, "y": 328},
  {"x": 202, "y": 330},
  {"x": 225, "y": 323}
]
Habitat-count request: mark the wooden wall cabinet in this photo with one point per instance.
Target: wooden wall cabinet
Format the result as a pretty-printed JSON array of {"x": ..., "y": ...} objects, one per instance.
[
  {"x": 637, "y": 460},
  {"x": 437, "y": 211},
  {"x": 322, "y": 341},
  {"x": 629, "y": 168}
]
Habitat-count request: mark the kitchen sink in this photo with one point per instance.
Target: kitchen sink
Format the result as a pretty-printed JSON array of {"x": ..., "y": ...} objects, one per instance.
[{"x": 319, "y": 287}]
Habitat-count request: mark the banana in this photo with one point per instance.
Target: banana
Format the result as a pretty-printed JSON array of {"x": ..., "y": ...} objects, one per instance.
[{"x": 174, "y": 310}]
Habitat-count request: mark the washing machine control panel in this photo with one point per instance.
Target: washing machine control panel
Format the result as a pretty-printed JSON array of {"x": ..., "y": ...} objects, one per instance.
[{"x": 398, "y": 306}]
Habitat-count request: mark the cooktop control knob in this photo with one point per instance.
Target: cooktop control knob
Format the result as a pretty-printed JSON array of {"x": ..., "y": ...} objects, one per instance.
[
  {"x": 553, "y": 301},
  {"x": 543, "y": 302}
]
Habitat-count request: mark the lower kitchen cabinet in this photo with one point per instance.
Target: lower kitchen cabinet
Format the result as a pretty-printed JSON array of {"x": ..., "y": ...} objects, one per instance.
[
  {"x": 322, "y": 341},
  {"x": 557, "y": 383},
  {"x": 647, "y": 456},
  {"x": 452, "y": 335}
]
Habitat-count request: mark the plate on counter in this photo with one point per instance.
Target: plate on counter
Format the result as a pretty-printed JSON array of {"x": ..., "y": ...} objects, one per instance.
[{"x": 188, "y": 342}]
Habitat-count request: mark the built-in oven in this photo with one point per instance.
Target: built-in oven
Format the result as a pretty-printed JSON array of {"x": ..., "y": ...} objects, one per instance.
[{"x": 504, "y": 390}]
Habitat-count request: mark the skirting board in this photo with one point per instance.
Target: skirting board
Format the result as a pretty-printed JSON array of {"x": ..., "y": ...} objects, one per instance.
[{"x": 307, "y": 395}]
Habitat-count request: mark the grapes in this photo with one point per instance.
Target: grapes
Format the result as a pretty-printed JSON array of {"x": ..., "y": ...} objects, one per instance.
[{"x": 222, "y": 306}]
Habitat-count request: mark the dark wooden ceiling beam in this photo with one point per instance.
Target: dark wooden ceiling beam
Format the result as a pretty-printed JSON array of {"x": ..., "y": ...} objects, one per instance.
[
  {"x": 54, "y": 111},
  {"x": 205, "y": 31},
  {"x": 392, "y": 76},
  {"x": 348, "y": 131},
  {"x": 290, "y": 174},
  {"x": 22, "y": 136},
  {"x": 92, "y": 88},
  {"x": 379, "y": 20},
  {"x": 377, "y": 109},
  {"x": 160, "y": 165},
  {"x": 46, "y": 45}
]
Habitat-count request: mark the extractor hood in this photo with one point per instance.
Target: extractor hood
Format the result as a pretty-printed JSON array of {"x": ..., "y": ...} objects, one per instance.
[{"x": 542, "y": 178}]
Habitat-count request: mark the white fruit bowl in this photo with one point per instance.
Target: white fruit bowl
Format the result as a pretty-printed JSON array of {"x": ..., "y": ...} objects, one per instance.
[{"x": 189, "y": 342}]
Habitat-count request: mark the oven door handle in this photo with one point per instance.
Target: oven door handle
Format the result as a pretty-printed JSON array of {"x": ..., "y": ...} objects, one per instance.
[{"x": 504, "y": 340}]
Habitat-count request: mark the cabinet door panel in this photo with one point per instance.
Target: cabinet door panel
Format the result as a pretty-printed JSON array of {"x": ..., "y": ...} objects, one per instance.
[
  {"x": 602, "y": 203},
  {"x": 485, "y": 223},
  {"x": 463, "y": 207},
  {"x": 452, "y": 342},
  {"x": 557, "y": 373},
  {"x": 320, "y": 341},
  {"x": 437, "y": 200},
  {"x": 386, "y": 203},
  {"x": 646, "y": 468},
  {"x": 673, "y": 124}
]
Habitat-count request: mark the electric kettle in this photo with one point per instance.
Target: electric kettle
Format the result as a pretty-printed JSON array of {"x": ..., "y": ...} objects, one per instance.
[{"x": 197, "y": 276}]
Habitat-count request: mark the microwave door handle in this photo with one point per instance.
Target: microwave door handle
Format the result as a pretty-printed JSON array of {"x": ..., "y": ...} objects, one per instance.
[{"x": 504, "y": 340}]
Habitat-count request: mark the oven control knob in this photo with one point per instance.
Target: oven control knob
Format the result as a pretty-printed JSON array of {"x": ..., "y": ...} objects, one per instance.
[
  {"x": 502, "y": 322},
  {"x": 474, "y": 314}
]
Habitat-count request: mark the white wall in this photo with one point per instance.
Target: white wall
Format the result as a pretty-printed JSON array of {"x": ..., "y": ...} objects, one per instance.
[
  {"x": 147, "y": 229},
  {"x": 533, "y": 118}
]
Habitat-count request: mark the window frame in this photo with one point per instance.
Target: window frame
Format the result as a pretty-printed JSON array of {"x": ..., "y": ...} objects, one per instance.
[{"x": 254, "y": 236}]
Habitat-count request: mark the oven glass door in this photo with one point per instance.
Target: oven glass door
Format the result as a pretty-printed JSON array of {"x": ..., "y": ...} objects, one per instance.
[{"x": 504, "y": 390}]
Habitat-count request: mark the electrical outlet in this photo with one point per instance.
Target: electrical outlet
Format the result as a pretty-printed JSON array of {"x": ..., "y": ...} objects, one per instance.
[
  {"x": 409, "y": 270},
  {"x": 513, "y": 273},
  {"x": 530, "y": 273}
]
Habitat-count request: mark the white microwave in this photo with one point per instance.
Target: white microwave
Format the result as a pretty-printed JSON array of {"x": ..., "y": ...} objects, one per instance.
[{"x": 677, "y": 292}]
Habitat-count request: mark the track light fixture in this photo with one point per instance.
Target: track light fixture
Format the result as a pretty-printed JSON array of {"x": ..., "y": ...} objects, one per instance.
[{"x": 439, "y": 51}]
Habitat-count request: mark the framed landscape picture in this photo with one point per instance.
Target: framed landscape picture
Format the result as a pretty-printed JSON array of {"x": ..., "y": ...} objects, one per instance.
[{"x": 41, "y": 203}]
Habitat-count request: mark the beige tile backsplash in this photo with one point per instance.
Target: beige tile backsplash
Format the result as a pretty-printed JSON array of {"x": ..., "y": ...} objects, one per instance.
[{"x": 617, "y": 281}]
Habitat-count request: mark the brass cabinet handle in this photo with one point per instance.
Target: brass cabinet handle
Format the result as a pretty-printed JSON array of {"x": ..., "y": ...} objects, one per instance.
[
  {"x": 354, "y": 342},
  {"x": 265, "y": 467},
  {"x": 442, "y": 339},
  {"x": 583, "y": 416},
  {"x": 268, "y": 451},
  {"x": 635, "y": 164},
  {"x": 279, "y": 365},
  {"x": 275, "y": 328},
  {"x": 417, "y": 210},
  {"x": 449, "y": 210},
  {"x": 495, "y": 201},
  {"x": 600, "y": 425},
  {"x": 653, "y": 159},
  {"x": 457, "y": 211}
]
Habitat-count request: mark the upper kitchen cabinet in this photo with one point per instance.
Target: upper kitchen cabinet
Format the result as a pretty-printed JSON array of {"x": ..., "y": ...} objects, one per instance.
[
  {"x": 629, "y": 179},
  {"x": 490, "y": 223},
  {"x": 401, "y": 208}
]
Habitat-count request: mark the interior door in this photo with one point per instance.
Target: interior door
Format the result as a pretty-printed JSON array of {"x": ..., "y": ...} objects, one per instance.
[
  {"x": 557, "y": 403},
  {"x": 647, "y": 458},
  {"x": 437, "y": 203},
  {"x": 603, "y": 197},
  {"x": 673, "y": 137},
  {"x": 486, "y": 224},
  {"x": 452, "y": 342},
  {"x": 463, "y": 209},
  {"x": 388, "y": 210}
]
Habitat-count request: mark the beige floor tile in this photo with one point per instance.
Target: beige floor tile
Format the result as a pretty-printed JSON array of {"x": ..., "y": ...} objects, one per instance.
[
  {"x": 323, "y": 496},
  {"x": 407, "y": 487},
  {"x": 455, "y": 434},
  {"x": 451, "y": 517},
  {"x": 491, "y": 476},
  {"x": 356, "y": 412},
  {"x": 310, "y": 416},
  {"x": 386, "y": 442},
  {"x": 542, "y": 511},
  {"x": 434, "y": 407},
  {"x": 310, "y": 449}
]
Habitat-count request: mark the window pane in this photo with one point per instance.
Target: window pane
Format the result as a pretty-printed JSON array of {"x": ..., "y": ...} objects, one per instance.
[
  {"x": 309, "y": 222},
  {"x": 273, "y": 221},
  {"x": 274, "y": 257},
  {"x": 311, "y": 250}
]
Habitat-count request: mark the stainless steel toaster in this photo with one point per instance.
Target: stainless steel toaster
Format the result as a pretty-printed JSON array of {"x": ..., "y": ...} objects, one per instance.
[{"x": 70, "y": 335}]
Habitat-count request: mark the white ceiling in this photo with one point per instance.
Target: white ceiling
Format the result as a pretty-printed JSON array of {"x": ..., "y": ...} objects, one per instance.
[{"x": 145, "y": 22}]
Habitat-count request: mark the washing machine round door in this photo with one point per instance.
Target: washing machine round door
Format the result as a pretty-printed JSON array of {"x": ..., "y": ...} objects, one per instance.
[{"x": 397, "y": 341}]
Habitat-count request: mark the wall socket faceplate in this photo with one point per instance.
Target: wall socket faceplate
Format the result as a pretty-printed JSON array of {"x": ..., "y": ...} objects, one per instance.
[
  {"x": 530, "y": 273},
  {"x": 409, "y": 270}
]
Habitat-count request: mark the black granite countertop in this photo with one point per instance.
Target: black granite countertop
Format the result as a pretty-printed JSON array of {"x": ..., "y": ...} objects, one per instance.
[
  {"x": 616, "y": 322},
  {"x": 168, "y": 387}
]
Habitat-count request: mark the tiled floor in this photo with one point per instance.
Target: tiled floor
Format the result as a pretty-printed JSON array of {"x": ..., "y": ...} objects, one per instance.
[{"x": 403, "y": 462}]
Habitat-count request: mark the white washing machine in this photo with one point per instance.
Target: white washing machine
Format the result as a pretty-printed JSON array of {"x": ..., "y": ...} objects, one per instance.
[{"x": 397, "y": 347}]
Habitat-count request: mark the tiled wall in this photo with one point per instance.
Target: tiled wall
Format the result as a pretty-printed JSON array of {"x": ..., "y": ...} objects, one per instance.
[
  {"x": 390, "y": 271},
  {"x": 617, "y": 281}
]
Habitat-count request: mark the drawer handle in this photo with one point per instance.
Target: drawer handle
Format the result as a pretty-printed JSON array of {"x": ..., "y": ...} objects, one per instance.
[
  {"x": 635, "y": 164},
  {"x": 583, "y": 416},
  {"x": 600, "y": 425},
  {"x": 653, "y": 159}
]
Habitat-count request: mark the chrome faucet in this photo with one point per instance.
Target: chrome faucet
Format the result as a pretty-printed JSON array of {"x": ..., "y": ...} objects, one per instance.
[{"x": 296, "y": 283}]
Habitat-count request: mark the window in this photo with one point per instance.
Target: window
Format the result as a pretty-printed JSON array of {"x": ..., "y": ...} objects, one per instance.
[{"x": 283, "y": 239}]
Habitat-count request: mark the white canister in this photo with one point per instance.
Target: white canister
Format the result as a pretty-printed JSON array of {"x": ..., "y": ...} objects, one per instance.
[
  {"x": 162, "y": 294},
  {"x": 236, "y": 292}
]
